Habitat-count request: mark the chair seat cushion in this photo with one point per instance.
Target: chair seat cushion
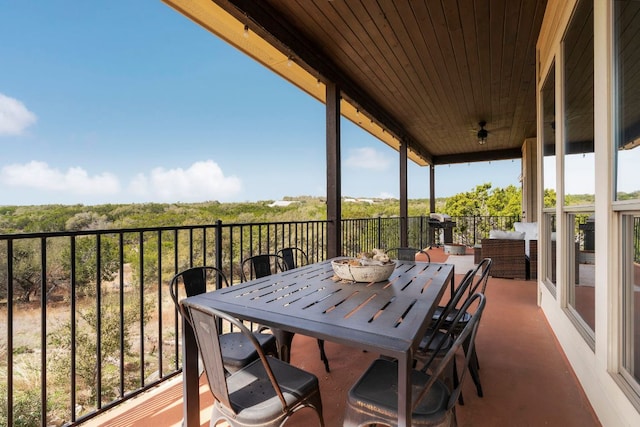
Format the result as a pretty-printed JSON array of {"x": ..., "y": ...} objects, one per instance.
[
  {"x": 238, "y": 351},
  {"x": 464, "y": 318},
  {"x": 378, "y": 388},
  {"x": 253, "y": 397},
  {"x": 429, "y": 344}
]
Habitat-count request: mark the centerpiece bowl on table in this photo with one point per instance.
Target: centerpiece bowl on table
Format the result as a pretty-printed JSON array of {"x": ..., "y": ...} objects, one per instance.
[{"x": 367, "y": 267}]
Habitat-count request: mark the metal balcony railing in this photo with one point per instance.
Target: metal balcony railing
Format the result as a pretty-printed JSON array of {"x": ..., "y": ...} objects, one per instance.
[{"x": 86, "y": 317}]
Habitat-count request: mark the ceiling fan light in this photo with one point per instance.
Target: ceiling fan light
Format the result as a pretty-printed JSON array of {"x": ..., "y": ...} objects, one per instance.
[
  {"x": 482, "y": 133},
  {"x": 482, "y": 136}
]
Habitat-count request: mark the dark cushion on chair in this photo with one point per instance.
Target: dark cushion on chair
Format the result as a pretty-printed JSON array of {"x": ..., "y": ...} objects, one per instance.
[
  {"x": 238, "y": 350},
  {"x": 382, "y": 376},
  {"x": 259, "y": 401}
]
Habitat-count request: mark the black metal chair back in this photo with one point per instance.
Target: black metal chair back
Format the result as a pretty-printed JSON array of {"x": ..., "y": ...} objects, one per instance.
[
  {"x": 258, "y": 266},
  {"x": 196, "y": 281},
  {"x": 435, "y": 339},
  {"x": 478, "y": 279},
  {"x": 464, "y": 337},
  {"x": 484, "y": 267},
  {"x": 293, "y": 257}
]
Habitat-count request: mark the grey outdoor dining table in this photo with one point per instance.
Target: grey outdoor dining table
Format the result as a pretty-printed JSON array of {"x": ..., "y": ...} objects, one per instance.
[{"x": 388, "y": 318}]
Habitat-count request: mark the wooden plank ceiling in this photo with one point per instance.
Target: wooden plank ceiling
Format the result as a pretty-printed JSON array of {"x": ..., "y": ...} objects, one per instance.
[{"x": 427, "y": 71}]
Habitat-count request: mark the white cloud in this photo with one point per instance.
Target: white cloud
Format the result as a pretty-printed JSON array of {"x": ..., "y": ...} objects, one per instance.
[
  {"x": 368, "y": 158},
  {"x": 40, "y": 176},
  {"x": 14, "y": 116},
  {"x": 202, "y": 181}
]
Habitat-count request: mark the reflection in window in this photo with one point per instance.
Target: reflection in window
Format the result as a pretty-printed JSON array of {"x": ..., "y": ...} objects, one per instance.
[
  {"x": 550, "y": 269},
  {"x": 581, "y": 271},
  {"x": 631, "y": 296},
  {"x": 579, "y": 159},
  {"x": 549, "y": 138},
  {"x": 627, "y": 46}
]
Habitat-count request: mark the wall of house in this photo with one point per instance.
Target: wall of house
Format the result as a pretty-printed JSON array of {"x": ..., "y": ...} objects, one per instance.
[{"x": 594, "y": 357}]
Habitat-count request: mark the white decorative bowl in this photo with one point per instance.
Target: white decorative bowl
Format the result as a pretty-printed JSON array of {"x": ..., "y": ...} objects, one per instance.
[{"x": 362, "y": 273}]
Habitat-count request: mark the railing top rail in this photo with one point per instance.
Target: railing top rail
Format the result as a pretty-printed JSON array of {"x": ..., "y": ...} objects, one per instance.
[{"x": 40, "y": 234}]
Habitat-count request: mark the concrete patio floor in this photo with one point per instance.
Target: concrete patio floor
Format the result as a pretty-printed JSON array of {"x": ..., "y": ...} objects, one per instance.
[{"x": 526, "y": 378}]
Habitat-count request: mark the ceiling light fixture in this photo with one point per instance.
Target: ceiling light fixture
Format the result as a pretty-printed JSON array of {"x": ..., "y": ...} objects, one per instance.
[
  {"x": 246, "y": 32},
  {"x": 482, "y": 133}
]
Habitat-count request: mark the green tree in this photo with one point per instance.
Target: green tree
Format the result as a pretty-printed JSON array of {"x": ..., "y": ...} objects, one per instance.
[
  {"x": 505, "y": 201},
  {"x": 470, "y": 203},
  {"x": 485, "y": 201},
  {"x": 27, "y": 270},
  {"x": 87, "y": 361},
  {"x": 549, "y": 198},
  {"x": 87, "y": 221},
  {"x": 86, "y": 262}
]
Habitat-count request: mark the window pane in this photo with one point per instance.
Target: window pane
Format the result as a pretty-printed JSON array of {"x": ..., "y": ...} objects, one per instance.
[
  {"x": 579, "y": 159},
  {"x": 631, "y": 295},
  {"x": 550, "y": 271},
  {"x": 549, "y": 138},
  {"x": 581, "y": 271},
  {"x": 578, "y": 166},
  {"x": 627, "y": 54}
]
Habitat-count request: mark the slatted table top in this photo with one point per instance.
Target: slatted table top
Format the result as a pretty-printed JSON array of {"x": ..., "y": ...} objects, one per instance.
[{"x": 389, "y": 317}]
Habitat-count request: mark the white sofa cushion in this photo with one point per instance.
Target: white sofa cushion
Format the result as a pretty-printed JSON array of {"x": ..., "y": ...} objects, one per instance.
[
  {"x": 500, "y": 234},
  {"x": 530, "y": 230}
]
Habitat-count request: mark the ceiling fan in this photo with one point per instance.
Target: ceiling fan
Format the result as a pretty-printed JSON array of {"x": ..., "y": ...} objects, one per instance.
[{"x": 482, "y": 133}]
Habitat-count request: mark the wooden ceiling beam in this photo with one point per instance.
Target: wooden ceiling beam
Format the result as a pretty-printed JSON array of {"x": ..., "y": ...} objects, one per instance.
[
  {"x": 264, "y": 21},
  {"x": 478, "y": 156}
]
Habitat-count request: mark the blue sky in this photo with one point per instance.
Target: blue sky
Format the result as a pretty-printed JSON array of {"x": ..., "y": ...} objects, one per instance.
[{"x": 130, "y": 102}]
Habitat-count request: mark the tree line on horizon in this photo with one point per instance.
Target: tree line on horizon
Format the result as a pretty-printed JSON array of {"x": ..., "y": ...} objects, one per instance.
[{"x": 483, "y": 200}]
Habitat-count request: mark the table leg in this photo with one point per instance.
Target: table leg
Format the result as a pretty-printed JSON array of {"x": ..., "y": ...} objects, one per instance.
[
  {"x": 405, "y": 364},
  {"x": 284, "y": 339},
  {"x": 190, "y": 377},
  {"x": 453, "y": 279}
]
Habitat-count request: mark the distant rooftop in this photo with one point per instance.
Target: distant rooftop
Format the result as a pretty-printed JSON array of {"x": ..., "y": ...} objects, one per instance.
[{"x": 282, "y": 203}]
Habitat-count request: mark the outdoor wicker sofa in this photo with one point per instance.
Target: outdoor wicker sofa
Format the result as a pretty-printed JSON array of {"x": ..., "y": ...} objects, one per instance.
[{"x": 507, "y": 256}]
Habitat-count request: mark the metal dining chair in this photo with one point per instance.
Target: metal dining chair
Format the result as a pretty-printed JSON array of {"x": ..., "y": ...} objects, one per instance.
[
  {"x": 479, "y": 278},
  {"x": 266, "y": 392},
  {"x": 237, "y": 351},
  {"x": 439, "y": 337},
  {"x": 373, "y": 399},
  {"x": 407, "y": 254},
  {"x": 294, "y": 257}
]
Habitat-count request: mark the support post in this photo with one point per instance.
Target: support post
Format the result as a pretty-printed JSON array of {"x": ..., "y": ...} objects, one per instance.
[
  {"x": 404, "y": 204},
  {"x": 334, "y": 197}
]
